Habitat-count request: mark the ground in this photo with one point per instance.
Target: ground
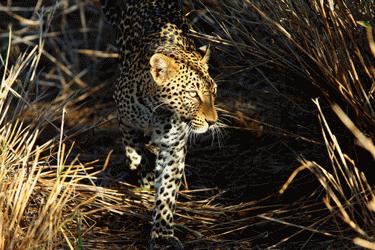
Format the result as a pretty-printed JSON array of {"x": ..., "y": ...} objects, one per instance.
[{"x": 230, "y": 197}]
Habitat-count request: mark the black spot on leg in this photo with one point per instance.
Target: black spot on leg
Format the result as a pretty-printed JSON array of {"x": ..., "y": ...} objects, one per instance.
[
  {"x": 169, "y": 218},
  {"x": 168, "y": 127},
  {"x": 157, "y": 173},
  {"x": 163, "y": 223},
  {"x": 182, "y": 136},
  {"x": 158, "y": 217}
]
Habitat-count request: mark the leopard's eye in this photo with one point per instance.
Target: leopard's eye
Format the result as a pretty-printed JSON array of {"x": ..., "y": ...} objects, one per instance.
[{"x": 193, "y": 94}]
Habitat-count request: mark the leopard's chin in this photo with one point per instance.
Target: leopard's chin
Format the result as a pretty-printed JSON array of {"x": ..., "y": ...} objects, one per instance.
[{"x": 199, "y": 129}]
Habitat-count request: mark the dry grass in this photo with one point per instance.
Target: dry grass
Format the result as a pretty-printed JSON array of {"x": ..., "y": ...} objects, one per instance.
[
  {"x": 329, "y": 44},
  {"x": 62, "y": 184},
  {"x": 331, "y": 50},
  {"x": 41, "y": 191},
  {"x": 22, "y": 161},
  {"x": 327, "y": 49},
  {"x": 348, "y": 193}
]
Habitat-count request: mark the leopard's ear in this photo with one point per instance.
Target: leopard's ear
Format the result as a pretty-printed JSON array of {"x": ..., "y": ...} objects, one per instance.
[
  {"x": 162, "y": 68},
  {"x": 206, "y": 51}
]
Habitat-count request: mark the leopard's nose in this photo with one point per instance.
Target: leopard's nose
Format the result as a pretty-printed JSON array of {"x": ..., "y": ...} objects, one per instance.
[{"x": 210, "y": 122}]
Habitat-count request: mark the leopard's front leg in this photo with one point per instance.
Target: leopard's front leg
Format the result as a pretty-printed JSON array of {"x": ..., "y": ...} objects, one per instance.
[
  {"x": 138, "y": 158},
  {"x": 171, "y": 140}
]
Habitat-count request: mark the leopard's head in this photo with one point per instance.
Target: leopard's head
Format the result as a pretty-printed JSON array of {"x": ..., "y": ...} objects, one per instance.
[{"x": 185, "y": 87}]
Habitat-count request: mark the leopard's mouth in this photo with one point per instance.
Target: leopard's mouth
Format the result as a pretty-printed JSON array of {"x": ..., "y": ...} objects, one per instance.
[{"x": 199, "y": 127}]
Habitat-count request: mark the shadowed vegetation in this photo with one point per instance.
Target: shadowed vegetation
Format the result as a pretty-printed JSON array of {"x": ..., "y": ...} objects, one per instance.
[{"x": 292, "y": 168}]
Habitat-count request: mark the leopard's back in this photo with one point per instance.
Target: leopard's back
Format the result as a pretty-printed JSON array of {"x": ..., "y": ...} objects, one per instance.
[{"x": 139, "y": 24}]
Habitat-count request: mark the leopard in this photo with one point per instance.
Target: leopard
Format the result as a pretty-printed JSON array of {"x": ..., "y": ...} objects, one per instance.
[{"x": 164, "y": 94}]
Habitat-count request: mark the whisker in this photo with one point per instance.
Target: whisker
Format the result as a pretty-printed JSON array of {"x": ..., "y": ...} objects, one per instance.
[
  {"x": 158, "y": 106},
  {"x": 224, "y": 120},
  {"x": 212, "y": 131},
  {"x": 222, "y": 125},
  {"x": 190, "y": 132},
  {"x": 153, "y": 111},
  {"x": 195, "y": 137},
  {"x": 229, "y": 115},
  {"x": 220, "y": 136}
]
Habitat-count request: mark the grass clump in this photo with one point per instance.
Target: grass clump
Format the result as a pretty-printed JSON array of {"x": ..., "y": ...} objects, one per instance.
[
  {"x": 296, "y": 86},
  {"x": 42, "y": 190}
]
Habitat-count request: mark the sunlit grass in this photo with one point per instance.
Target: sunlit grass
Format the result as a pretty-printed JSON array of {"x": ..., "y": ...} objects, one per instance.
[{"x": 50, "y": 199}]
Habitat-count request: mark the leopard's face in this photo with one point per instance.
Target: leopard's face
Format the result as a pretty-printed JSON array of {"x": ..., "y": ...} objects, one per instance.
[
  {"x": 199, "y": 103},
  {"x": 187, "y": 90}
]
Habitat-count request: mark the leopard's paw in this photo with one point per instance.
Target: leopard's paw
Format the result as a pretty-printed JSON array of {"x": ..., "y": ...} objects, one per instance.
[{"x": 170, "y": 242}]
